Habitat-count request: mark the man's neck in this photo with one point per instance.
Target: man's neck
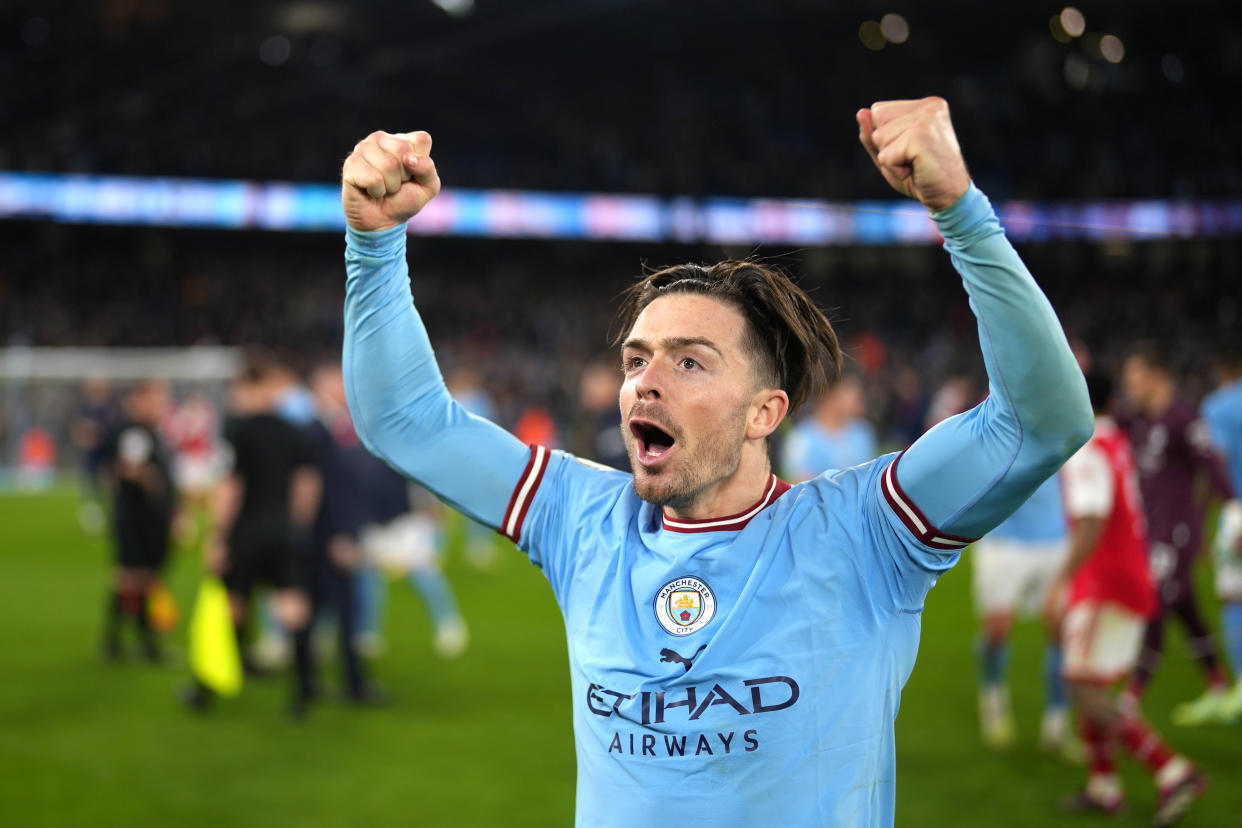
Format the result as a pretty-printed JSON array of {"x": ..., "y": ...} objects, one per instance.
[{"x": 734, "y": 494}]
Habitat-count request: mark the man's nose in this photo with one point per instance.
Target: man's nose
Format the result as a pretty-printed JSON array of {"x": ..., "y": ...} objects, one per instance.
[{"x": 650, "y": 383}]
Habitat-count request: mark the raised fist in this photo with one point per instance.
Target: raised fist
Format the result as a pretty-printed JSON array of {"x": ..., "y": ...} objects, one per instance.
[
  {"x": 914, "y": 146},
  {"x": 387, "y": 179}
]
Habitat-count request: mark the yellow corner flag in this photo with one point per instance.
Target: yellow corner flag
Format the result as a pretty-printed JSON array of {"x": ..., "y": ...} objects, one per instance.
[{"x": 214, "y": 658}]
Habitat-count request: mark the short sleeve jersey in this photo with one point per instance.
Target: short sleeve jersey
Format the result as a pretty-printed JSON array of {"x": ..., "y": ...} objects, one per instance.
[
  {"x": 746, "y": 669},
  {"x": 1101, "y": 481}
]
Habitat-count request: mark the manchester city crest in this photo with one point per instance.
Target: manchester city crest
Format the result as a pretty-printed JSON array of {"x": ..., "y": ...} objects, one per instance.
[{"x": 684, "y": 605}]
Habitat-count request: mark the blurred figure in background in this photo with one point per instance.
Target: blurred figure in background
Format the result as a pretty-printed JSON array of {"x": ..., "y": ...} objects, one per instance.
[
  {"x": 1222, "y": 411},
  {"x": 595, "y": 433},
  {"x": 835, "y": 436},
  {"x": 909, "y": 406},
  {"x": 138, "y": 469},
  {"x": 1014, "y": 567},
  {"x": 1100, "y": 601},
  {"x": 1174, "y": 454},
  {"x": 96, "y": 416},
  {"x": 264, "y": 512},
  {"x": 193, "y": 432},
  {"x": 336, "y": 556}
]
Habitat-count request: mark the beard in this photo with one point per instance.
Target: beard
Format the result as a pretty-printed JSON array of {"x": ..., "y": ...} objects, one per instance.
[{"x": 715, "y": 456}]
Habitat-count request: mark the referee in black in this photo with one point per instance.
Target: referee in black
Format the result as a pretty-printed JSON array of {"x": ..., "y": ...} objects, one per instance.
[
  {"x": 264, "y": 512},
  {"x": 137, "y": 468}
]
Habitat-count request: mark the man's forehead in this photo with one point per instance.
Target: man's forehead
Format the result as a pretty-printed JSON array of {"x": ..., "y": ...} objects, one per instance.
[{"x": 686, "y": 318}]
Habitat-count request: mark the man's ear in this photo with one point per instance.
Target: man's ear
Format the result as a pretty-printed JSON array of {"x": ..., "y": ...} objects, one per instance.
[{"x": 767, "y": 409}]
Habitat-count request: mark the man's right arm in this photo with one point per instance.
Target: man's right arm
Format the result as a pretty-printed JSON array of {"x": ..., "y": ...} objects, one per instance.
[{"x": 402, "y": 411}]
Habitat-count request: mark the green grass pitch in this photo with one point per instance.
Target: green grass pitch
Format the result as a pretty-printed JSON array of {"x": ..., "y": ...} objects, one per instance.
[{"x": 483, "y": 741}]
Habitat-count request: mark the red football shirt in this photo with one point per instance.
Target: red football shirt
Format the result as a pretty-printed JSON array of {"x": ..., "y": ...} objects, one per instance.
[{"x": 1101, "y": 480}]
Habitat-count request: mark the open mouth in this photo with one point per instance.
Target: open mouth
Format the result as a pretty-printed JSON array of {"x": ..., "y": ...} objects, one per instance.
[{"x": 653, "y": 442}]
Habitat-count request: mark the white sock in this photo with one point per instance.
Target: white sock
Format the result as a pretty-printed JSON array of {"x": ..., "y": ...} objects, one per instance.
[{"x": 1173, "y": 772}]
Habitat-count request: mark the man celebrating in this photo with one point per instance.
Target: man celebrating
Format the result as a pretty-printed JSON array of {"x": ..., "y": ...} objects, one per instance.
[{"x": 737, "y": 646}]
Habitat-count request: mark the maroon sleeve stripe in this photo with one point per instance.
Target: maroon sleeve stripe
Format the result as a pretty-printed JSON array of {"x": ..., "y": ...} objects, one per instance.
[
  {"x": 524, "y": 493},
  {"x": 913, "y": 517}
]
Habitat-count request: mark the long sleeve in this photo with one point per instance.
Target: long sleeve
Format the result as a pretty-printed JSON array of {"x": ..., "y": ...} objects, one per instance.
[
  {"x": 971, "y": 471},
  {"x": 401, "y": 409}
]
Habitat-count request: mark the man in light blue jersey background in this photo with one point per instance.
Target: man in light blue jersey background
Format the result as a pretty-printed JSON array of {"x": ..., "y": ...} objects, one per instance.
[
  {"x": 737, "y": 646},
  {"x": 1014, "y": 567},
  {"x": 835, "y": 436}
]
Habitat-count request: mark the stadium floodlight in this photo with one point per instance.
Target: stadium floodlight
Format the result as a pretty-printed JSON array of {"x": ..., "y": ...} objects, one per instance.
[{"x": 456, "y": 8}]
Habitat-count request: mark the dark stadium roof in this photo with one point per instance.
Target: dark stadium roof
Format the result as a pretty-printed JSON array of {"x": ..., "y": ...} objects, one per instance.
[{"x": 693, "y": 96}]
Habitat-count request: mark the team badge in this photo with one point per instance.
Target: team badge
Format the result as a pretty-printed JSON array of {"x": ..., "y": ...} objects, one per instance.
[{"x": 684, "y": 606}]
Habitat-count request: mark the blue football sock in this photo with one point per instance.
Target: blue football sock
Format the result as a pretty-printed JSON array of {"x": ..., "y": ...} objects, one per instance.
[
  {"x": 1232, "y": 631},
  {"x": 1054, "y": 684}
]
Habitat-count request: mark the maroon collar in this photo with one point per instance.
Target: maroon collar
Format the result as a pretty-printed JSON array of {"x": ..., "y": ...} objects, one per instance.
[{"x": 730, "y": 523}]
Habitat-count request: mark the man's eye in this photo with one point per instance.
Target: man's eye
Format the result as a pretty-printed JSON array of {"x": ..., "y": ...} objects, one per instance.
[
  {"x": 634, "y": 362},
  {"x": 689, "y": 363}
]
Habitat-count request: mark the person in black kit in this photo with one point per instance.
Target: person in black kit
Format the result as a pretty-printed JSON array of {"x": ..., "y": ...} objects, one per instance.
[
  {"x": 264, "y": 512},
  {"x": 137, "y": 468}
]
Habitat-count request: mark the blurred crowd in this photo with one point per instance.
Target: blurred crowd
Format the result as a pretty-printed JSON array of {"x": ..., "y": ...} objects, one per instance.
[
  {"x": 526, "y": 317},
  {"x": 623, "y": 95}
]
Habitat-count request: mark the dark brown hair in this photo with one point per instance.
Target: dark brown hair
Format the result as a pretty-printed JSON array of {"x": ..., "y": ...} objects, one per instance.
[
  {"x": 1152, "y": 355},
  {"x": 793, "y": 343}
]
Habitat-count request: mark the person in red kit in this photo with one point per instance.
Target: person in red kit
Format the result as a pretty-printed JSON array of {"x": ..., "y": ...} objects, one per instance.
[{"x": 1101, "y": 602}]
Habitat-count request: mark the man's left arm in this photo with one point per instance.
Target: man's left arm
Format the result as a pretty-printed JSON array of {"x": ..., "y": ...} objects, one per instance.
[{"x": 966, "y": 475}]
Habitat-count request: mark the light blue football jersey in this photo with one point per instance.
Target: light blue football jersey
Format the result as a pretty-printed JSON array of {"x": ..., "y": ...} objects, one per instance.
[
  {"x": 1222, "y": 410},
  {"x": 744, "y": 670},
  {"x": 1040, "y": 520}
]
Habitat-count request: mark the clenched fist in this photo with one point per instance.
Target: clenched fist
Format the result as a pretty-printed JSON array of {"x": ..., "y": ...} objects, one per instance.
[
  {"x": 914, "y": 146},
  {"x": 387, "y": 179}
]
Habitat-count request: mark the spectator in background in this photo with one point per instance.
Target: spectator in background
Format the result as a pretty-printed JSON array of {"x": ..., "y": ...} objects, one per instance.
[
  {"x": 595, "y": 433},
  {"x": 138, "y": 470},
  {"x": 835, "y": 436},
  {"x": 909, "y": 406},
  {"x": 1174, "y": 453},
  {"x": 96, "y": 416}
]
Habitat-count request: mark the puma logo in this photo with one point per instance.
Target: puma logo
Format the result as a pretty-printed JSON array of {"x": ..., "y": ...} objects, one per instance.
[{"x": 669, "y": 656}]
